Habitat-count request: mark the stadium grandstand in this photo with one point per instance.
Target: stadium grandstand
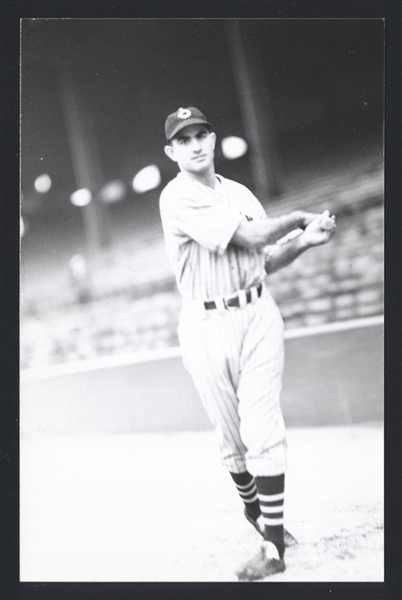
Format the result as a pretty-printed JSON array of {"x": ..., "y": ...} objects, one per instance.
[
  {"x": 134, "y": 304},
  {"x": 326, "y": 105}
]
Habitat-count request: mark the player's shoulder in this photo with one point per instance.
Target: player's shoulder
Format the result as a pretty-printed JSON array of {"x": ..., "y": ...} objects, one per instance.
[
  {"x": 176, "y": 191},
  {"x": 244, "y": 195},
  {"x": 176, "y": 187},
  {"x": 169, "y": 187},
  {"x": 170, "y": 191},
  {"x": 236, "y": 186}
]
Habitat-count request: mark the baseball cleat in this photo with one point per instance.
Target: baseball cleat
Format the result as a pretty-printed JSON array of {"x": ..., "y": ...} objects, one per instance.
[
  {"x": 267, "y": 562},
  {"x": 288, "y": 538}
]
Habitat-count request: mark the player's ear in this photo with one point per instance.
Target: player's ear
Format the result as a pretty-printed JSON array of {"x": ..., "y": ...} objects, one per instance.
[
  {"x": 169, "y": 151},
  {"x": 213, "y": 138}
]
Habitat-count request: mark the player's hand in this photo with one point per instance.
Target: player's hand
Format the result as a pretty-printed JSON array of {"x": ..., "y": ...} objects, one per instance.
[
  {"x": 320, "y": 230},
  {"x": 305, "y": 218}
]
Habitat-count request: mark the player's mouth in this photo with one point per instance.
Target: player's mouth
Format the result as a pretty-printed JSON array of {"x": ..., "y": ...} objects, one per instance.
[{"x": 201, "y": 156}]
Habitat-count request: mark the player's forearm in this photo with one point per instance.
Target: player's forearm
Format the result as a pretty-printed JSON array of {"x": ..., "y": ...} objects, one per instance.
[
  {"x": 285, "y": 254},
  {"x": 257, "y": 234},
  {"x": 318, "y": 232}
]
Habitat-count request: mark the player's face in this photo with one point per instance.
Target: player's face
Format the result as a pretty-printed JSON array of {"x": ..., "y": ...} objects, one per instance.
[{"x": 193, "y": 149}]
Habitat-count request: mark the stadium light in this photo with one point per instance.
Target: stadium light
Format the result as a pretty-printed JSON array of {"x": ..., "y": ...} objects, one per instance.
[
  {"x": 43, "y": 183},
  {"x": 81, "y": 197},
  {"x": 112, "y": 192},
  {"x": 147, "y": 179},
  {"x": 234, "y": 147},
  {"x": 78, "y": 265}
]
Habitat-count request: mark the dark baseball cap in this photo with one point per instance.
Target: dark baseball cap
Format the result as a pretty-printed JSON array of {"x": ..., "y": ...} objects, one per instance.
[{"x": 183, "y": 117}]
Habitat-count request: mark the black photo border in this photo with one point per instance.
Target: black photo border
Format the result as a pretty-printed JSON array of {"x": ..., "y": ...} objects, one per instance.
[{"x": 11, "y": 13}]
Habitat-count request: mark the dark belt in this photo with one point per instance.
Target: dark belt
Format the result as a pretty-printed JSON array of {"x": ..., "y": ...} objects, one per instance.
[{"x": 233, "y": 301}]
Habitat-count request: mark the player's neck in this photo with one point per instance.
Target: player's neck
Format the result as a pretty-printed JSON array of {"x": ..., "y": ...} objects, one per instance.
[{"x": 207, "y": 178}]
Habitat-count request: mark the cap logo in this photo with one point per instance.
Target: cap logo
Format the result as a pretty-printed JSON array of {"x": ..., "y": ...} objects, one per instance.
[{"x": 183, "y": 113}]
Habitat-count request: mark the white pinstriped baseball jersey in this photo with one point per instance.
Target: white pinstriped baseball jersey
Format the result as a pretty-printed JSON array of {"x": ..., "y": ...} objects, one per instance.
[
  {"x": 198, "y": 223},
  {"x": 235, "y": 357}
]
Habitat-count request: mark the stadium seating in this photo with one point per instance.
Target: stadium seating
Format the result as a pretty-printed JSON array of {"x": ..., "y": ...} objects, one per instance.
[{"x": 134, "y": 302}]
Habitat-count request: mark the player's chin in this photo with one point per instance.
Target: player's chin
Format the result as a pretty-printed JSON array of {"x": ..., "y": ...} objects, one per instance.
[{"x": 200, "y": 167}]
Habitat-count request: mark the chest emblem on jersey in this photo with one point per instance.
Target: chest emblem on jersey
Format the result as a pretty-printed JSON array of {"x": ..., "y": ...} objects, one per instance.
[
  {"x": 183, "y": 113},
  {"x": 247, "y": 217}
]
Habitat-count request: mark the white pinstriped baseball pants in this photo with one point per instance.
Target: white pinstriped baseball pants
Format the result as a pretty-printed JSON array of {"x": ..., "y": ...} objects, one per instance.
[{"x": 236, "y": 358}]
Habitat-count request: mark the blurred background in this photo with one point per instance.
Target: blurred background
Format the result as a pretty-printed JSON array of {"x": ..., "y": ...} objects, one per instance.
[
  {"x": 297, "y": 106},
  {"x": 298, "y": 109}
]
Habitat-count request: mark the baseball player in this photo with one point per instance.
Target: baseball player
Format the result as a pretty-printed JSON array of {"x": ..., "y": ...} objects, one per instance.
[{"x": 222, "y": 244}]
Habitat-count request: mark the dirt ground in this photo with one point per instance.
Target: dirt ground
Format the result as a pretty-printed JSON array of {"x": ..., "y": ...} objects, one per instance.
[{"x": 160, "y": 507}]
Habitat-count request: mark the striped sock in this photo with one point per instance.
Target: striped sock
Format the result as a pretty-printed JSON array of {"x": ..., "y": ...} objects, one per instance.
[
  {"x": 245, "y": 484},
  {"x": 271, "y": 495}
]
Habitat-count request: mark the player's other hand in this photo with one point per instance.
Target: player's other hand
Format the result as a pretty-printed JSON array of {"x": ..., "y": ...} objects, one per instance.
[{"x": 320, "y": 230}]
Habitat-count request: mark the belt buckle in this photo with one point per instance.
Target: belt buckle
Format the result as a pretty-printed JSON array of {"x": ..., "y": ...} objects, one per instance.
[
  {"x": 226, "y": 305},
  {"x": 240, "y": 297}
]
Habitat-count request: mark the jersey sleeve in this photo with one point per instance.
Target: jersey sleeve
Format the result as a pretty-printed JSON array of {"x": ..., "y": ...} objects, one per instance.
[{"x": 211, "y": 223}]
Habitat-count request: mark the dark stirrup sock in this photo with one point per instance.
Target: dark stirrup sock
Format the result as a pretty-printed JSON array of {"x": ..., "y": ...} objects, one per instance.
[
  {"x": 271, "y": 495},
  {"x": 245, "y": 484}
]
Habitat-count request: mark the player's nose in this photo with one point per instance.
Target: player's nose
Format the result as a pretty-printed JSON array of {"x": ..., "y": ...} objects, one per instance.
[{"x": 196, "y": 146}]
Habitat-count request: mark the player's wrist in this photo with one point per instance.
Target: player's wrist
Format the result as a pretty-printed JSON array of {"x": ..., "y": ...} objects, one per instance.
[
  {"x": 298, "y": 219},
  {"x": 302, "y": 242},
  {"x": 288, "y": 223}
]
